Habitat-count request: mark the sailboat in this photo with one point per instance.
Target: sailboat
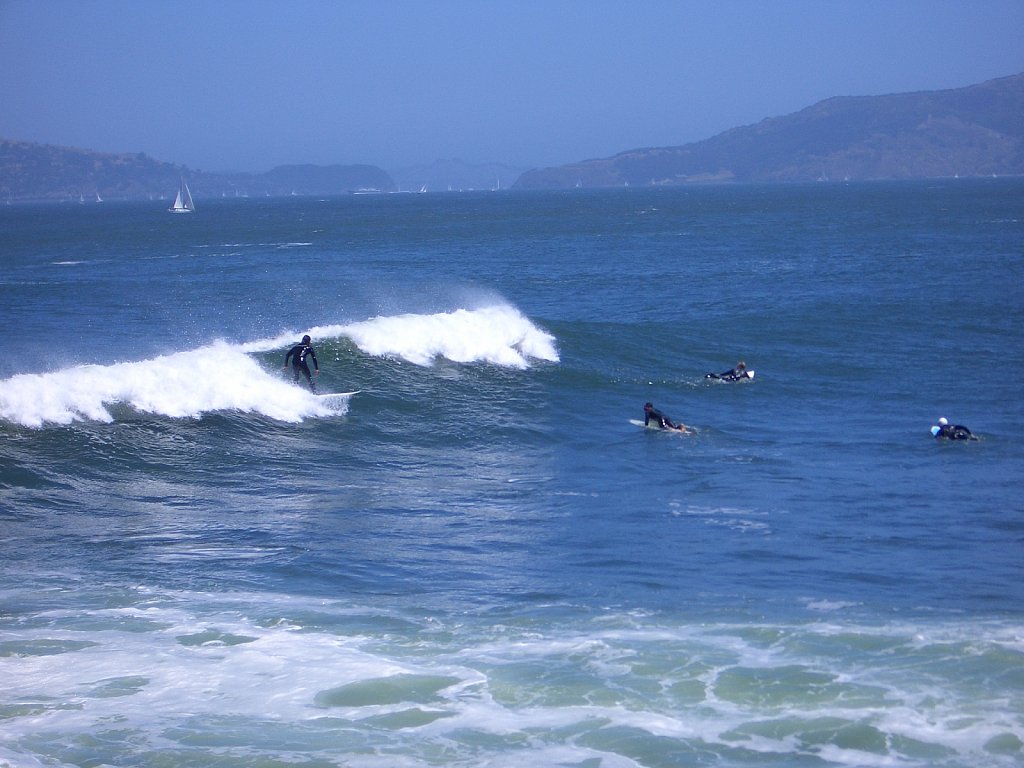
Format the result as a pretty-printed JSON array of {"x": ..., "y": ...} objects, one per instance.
[{"x": 183, "y": 202}]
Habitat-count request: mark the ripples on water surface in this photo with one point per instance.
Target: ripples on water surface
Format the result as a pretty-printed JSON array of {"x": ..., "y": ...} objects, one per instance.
[{"x": 478, "y": 560}]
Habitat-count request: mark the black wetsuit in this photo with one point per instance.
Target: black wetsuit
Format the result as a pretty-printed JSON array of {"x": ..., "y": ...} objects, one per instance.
[
  {"x": 955, "y": 432},
  {"x": 298, "y": 355},
  {"x": 663, "y": 421},
  {"x": 733, "y": 375}
]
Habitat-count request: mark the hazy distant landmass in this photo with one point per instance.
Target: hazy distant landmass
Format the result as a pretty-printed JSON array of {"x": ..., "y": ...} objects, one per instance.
[
  {"x": 456, "y": 175},
  {"x": 321, "y": 179},
  {"x": 972, "y": 131},
  {"x": 42, "y": 172},
  {"x": 31, "y": 171}
]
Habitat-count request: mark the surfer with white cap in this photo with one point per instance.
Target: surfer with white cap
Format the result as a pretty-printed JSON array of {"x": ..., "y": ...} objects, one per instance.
[{"x": 945, "y": 430}]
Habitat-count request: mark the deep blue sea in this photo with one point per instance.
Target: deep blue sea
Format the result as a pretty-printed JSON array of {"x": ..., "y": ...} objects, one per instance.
[{"x": 478, "y": 560}]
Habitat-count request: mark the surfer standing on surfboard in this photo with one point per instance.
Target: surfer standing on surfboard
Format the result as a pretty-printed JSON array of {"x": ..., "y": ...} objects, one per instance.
[
  {"x": 650, "y": 414},
  {"x": 298, "y": 355}
]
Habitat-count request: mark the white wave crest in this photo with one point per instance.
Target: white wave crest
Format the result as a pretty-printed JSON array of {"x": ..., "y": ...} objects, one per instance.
[
  {"x": 182, "y": 385},
  {"x": 499, "y": 335}
]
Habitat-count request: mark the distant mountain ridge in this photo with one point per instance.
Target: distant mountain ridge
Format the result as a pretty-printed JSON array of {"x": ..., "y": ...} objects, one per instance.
[
  {"x": 31, "y": 171},
  {"x": 973, "y": 131}
]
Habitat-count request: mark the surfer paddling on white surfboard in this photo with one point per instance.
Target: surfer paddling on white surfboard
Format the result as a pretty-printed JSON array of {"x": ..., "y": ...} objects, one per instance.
[
  {"x": 663, "y": 421},
  {"x": 298, "y": 355},
  {"x": 736, "y": 374}
]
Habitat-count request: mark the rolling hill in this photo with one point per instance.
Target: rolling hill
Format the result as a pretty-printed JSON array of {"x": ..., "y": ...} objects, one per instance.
[
  {"x": 972, "y": 131},
  {"x": 31, "y": 171}
]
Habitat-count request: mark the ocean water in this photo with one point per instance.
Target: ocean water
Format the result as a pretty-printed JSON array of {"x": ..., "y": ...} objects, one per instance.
[{"x": 478, "y": 560}]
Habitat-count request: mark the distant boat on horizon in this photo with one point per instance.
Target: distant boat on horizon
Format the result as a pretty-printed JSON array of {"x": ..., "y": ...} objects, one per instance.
[{"x": 183, "y": 202}]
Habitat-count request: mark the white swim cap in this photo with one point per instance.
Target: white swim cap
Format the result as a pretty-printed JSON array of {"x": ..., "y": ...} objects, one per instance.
[{"x": 943, "y": 421}]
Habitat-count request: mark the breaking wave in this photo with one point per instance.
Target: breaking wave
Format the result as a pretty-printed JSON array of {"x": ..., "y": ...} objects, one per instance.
[{"x": 227, "y": 377}]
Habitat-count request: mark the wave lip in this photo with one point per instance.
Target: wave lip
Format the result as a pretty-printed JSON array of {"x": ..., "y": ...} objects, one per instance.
[{"x": 500, "y": 335}]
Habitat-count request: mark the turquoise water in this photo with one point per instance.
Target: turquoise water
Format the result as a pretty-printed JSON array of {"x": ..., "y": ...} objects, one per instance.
[{"x": 478, "y": 559}]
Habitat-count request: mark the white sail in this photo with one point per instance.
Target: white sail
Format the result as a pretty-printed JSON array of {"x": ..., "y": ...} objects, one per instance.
[{"x": 183, "y": 202}]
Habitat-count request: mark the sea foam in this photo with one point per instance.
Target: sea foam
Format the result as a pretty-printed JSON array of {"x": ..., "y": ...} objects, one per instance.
[
  {"x": 218, "y": 377},
  {"x": 498, "y": 334}
]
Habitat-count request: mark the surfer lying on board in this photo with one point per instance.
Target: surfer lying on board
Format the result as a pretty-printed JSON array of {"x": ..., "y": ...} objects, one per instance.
[
  {"x": 298, "y": 355},
  {"x": 737, "y": 373},
  {"x": 651, "y": 414},
  {"x": 951, "y": 431}
]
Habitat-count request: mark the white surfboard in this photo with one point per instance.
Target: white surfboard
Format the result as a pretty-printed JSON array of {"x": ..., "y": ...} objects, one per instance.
[
  {"x": 654, "y": 425},
  {"x": 338, "y": 394}
]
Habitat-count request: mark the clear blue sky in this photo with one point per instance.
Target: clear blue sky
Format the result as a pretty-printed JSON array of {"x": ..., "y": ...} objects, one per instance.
[{"x": 247, "y": 85}]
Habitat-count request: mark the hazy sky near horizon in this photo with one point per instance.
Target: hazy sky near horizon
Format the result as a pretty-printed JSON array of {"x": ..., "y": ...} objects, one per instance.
[{"x": 248, "y": 85}]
